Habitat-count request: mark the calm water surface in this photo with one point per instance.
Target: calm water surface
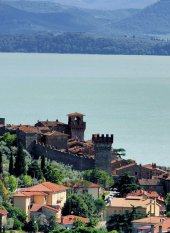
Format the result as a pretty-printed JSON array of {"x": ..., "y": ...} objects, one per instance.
[{"x": 125, "y": 95}]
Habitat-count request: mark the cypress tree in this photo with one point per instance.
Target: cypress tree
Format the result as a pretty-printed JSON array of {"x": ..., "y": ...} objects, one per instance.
[
  {"x": 43, "y": 163},
  {"x": 11, "y": 165},
  {"x": 1, "y": 165},
  {"x": 20, "y": 163}
]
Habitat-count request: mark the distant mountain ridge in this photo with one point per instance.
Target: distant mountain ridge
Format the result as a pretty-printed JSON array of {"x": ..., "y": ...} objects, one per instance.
[
  {"x": 33, "y": 16},
  {"x": 27, "y": 16},
  {"x": 106, "y": 4},
  {"x": 154, "y": 19}
]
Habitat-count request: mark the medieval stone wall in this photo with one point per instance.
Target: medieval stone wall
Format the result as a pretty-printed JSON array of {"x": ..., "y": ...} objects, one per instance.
[{"x": 77, "y": 162}]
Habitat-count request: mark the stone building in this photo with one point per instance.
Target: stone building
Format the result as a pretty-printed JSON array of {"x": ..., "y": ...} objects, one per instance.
[
  {"x": 76, "y": 125},
  {"x": 2, "y": 126},
  {"x": 55, "y": 139},
  {"x": 103, "y": 154}
]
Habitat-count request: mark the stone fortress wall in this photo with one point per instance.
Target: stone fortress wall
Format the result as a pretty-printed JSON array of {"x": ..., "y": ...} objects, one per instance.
[{"x": 78, "y": 162}]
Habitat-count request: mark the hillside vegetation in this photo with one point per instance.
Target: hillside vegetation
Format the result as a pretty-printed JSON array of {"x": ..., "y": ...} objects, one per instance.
[{"x": 83, "y": 43}]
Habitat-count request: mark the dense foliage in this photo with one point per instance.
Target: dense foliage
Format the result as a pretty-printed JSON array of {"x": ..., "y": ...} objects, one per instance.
[
  {"x": 122, "y": 222},
  {"x": 126, "y": 184},
  {"x": 98, "y": 177},
  {"x": 83, "y": 43}
]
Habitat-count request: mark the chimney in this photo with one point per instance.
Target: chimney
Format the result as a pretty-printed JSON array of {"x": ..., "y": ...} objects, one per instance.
[
  {"x": 152, "y": 228},
  {"x": 160, "y": 229}
]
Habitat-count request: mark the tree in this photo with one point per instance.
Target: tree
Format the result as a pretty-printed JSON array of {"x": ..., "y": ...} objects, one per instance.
[
  {"x": 100, "y": 205},
  {"x": 126, "y": 184},
  {"x": 81, "y": 205},
  {"x": 11, "y": 165},
  {"x": 20, "y": 164},
  {"x": 25, "y": 181},
  {"x": 53, "y": 174},
  {"x": 10, "y": 139},
  {"x": 31, "y": 226},
  {"x": 11, "y": 183},
  {"x": 15, "y": 213},
  {"x": 122, "y": 222},
  {"x": 34, "y": 170},
  {"x": 43, "y": 165},
  {"x": 167, "y": 201},
  {"x": 75, "y": 204},
  {"x": 120, "y": 152},
  {"x": 1, "y": 164},
  {"x": 99, "y": 177},
  {"x": 3, "y": 191}
]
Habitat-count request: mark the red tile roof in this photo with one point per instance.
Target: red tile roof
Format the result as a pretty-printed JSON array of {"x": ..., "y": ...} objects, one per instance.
[
  {"x": 85, "y": 184},
  {"x": 3, "y": 212},
  {"x": 28, "y": 129},
  {"x": 75, "y": 114},
  {"x": 55, "y": 209},
  {"x": 46, "y": 187},
  {"x": 150, "y": 194},
  {"x": 70, "y": 219},
  {"x": 29, "y": 194},
  {"x": 51, "y": 123},
  {"x": 35, "y": 208}
]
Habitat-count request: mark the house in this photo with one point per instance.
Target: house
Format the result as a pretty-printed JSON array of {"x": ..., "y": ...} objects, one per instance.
[
  {"x": 154, "y": 184},
  {"x": 47, "y": 198},
  {"x": 3, "y": 217},
  {"x": 125, "y": 205},
  {"x": 84, "y": 186},
  {"x": 148, "y": 194},
  {"x": 139, "y": 171},
  {"x": 151, "y": 224},
  {"x": 67, "y": 221}
]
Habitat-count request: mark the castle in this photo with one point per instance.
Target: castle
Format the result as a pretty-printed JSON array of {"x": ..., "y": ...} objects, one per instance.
[{"x": 64, "y": 142}]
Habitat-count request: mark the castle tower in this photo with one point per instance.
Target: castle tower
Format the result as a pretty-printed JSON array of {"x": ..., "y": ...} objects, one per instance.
[
  {"x": 2, "y": 126},
  {"x": 103, "y": 146},
  {"x": 76, "y": 125},
  {"x": 2, "y": 121}
]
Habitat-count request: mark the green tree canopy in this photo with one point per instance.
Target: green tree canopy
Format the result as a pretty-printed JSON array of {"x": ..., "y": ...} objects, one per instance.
[
  {"x": 20, "y": 163},
  {"x": 3, "y": 191},
  {"x": 126, "y": 184},
  {"x": 11, "y": 182},
  {"x": 34, "y": 170},
  {"x": 53, "y": 174},
  {"x": 99, "y": 177}
]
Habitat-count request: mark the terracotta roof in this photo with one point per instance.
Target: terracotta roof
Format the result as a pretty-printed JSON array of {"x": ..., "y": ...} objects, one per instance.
[
  {"x": 55, "y": 209},
  {"x": 123, "y": 202},
  {"x": 150, "y": 194},
  {"x": 3, "y": 212},
  {"x": 29, "y": 194},
  {"x": 152, "y": 220},
  {"x": 51, "y": 123},
  {"x": 85, "y": 184},
  {"x": 28, "y": 129},
  {"x": 75, "y": 114},
  {"x": 35, "y": 208},
  {"x": 126, "y": 166},
  {"x": 70, "y": 219},
  {"x": 55, "y": 133},
  {"x": 46, "y": 187},
  {"x": 54, "y": 187},
  {"x": 151, "y": 167},
  {"x": 146, "y": 182},
  {"x": 165, "y": 223}
]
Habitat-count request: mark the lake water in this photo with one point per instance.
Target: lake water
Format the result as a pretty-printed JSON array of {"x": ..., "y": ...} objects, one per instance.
[{"x": 125, "y": 95}]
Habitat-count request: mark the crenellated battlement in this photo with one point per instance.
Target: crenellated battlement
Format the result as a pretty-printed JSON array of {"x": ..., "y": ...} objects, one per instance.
[
  {"x": 48, "y": 148},
  {"x": 97, "y": 138}
]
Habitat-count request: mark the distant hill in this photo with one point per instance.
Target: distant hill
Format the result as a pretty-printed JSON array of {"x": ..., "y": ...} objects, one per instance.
[
  {"x": 107, "y": 4},
  {"x": 154, "y": 19},
  {"x": 33, "y": 16}
]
